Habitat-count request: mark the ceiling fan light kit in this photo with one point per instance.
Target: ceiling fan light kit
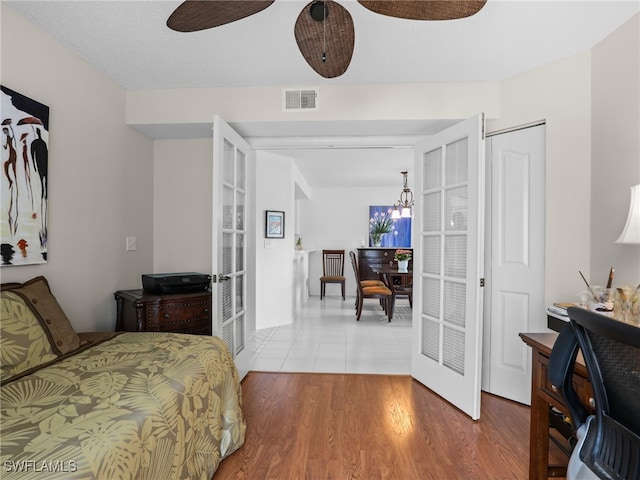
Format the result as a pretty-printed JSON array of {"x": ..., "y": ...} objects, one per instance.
[
  {"x": 324, "y": 30},
  {"x": 318, "y": 11}
]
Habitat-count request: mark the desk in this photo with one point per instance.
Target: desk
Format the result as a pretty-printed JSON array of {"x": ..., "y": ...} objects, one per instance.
[
  {"x": 542, "y": 396},
  {"x": 399, "y": 282}
]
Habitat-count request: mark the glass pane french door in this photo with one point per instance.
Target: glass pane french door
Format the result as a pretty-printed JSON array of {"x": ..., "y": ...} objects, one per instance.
[
  {"x": 448, "y": 229},
  {"x": 229, "y": 236}
]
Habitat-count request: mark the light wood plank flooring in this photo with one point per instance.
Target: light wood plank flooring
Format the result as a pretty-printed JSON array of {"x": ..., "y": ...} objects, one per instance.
[{"x": 350, "y": 426}]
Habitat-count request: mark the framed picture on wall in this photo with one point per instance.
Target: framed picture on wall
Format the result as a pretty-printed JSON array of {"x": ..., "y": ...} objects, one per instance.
[
  {"x": 385, "y": 231},
  {"x": 24, "y": 190},
  {"x": 274, "y": 224}
]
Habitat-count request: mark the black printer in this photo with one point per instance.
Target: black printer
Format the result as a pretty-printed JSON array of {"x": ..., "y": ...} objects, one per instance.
[{"x": 184, "y": 282}]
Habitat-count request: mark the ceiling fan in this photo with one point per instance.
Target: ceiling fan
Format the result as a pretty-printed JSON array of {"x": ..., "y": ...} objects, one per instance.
[{"x": 324, "y": 30}]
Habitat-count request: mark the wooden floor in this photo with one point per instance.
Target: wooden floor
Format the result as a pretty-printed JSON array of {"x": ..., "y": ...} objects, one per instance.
[{"x": 345, "y": 426}]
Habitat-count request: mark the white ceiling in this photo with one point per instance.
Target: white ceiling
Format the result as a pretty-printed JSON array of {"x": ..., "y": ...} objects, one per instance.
[{"x": 130, "y": 43}]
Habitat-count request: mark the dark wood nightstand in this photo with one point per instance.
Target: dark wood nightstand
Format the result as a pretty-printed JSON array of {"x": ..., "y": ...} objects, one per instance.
[{"x": 141, "y": 311}]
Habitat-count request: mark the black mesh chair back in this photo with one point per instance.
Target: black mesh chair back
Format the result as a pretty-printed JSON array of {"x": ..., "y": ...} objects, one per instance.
[
  {"x": 560, "y": 374},
  {"x": 611, "y": 350}
]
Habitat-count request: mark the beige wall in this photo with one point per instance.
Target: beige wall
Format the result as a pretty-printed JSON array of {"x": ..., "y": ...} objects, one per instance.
[
  {"x": 559, "y": 93},
  {"x": 338, "y": 102},
  {"x": 100, "y": 176},
  {"x": 615, "y": 144},
  {"x": 182, "y": 205}
]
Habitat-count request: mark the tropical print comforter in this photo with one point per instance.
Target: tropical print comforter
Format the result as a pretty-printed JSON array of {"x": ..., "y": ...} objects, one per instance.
[{"x": 140, "y": 405}]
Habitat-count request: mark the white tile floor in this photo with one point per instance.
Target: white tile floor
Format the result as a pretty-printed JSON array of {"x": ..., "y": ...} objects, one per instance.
[{"x": 325, "y": 337}]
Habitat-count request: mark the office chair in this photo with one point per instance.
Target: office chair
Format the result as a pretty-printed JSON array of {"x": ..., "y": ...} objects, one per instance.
[{"x": 608, "y": 441}]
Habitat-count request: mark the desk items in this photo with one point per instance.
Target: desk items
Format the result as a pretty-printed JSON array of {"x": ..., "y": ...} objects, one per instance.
[
  {"x": 626, "y": 304},
  {"x": 621, "y": 303}
]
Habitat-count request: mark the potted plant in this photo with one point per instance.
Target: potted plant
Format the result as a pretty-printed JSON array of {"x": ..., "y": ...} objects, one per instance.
[
  {"x": 380, "y": 224},
  {"x": 402, "y": 257}
]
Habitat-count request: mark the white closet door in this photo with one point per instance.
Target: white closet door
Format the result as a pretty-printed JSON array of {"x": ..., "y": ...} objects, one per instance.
[{"x": 516, "y": 162}]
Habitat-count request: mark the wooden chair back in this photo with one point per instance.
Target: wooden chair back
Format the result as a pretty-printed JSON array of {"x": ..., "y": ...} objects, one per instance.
[
  {"x": 332, "y": 263},
  {"x": 354, "y": 264}
]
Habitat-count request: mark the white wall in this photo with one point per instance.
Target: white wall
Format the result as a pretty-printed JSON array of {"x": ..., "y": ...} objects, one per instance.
[
  {"x": 100, "y": 176},
  {"x": 615, "y": 143},
  {"x": 274, "y": 257},
  {"x": 338, "y": 218},
  {"x": 182, "y": 205}
]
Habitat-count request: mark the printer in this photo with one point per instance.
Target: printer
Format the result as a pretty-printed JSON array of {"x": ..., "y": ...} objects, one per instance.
[{"x": 184, "y": 282}]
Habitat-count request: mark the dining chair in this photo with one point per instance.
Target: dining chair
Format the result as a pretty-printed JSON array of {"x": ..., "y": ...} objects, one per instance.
[
  {"x": 370, "y": 289},
  {"x": 332, "y": 270},
  {"x": 365, "y": 282}
]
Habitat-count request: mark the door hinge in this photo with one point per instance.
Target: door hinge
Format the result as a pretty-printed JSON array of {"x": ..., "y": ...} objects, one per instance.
[
  {"x": 482, "y": 282},
  {"x": 214, "y": 278}
]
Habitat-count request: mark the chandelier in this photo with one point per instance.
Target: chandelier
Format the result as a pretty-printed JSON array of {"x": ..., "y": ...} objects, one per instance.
[{"x": 402, "y": 209}]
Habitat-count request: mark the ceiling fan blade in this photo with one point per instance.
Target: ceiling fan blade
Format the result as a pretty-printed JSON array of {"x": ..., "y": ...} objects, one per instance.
[
  {"x": 326, "y": 44},
  {"x": 194, "y": 15},
  {"x": 425, "y": 9}
]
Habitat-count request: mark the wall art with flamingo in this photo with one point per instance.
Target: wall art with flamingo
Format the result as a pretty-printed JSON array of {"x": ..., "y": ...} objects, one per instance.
[{"x": 24, "y": 188}]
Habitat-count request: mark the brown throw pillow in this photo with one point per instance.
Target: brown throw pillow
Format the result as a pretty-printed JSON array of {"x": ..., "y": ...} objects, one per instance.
[
  {"x": 43, "y": 304},
  {"x": 25, "y": 343}
]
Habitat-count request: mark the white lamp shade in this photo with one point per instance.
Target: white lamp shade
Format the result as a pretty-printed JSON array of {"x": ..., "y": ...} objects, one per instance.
[
  {"x": 631, "y": 231},
  {"x": 406, "y": 213},
  {"x": 395, "y": 214}
]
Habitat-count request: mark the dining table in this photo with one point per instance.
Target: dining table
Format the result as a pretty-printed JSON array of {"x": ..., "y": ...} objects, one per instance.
[{"x": 400, "y": 282}]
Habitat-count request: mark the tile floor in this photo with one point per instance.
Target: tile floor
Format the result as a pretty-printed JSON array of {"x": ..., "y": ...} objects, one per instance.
[{"x": 325, "y": 337}]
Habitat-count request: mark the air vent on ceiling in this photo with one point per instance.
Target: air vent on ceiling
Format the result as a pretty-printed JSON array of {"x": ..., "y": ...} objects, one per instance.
[{"x": 300, "y": 99}]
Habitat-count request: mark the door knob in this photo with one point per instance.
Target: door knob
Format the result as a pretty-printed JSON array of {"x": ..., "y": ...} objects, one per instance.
[{"x": 222, "y": 277}]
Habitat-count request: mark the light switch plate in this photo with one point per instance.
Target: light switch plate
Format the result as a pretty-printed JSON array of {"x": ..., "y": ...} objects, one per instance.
[{"x": 131, "y": 243}]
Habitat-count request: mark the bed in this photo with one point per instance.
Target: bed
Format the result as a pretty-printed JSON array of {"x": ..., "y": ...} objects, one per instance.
[{"x": 114, "y": 405}]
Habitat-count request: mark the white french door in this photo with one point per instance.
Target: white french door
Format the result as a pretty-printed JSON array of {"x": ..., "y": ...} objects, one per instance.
[
  {"x": 231, "y": 156},
  {"x": 449, "y": 264}
]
